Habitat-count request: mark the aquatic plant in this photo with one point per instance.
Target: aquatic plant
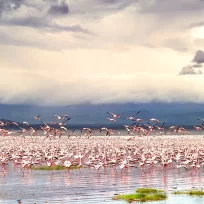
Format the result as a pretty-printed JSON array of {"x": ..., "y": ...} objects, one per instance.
[
  {"x": 190, "y": 192},
  {"x": 143, "y": 195},
  {"x": 148, "y": 190}
]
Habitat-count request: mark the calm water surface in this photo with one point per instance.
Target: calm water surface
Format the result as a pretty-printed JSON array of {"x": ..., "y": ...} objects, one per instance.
[{"x": 90, "y": 187}]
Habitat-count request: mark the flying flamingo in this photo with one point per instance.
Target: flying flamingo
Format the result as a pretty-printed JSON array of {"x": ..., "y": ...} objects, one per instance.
[
  {"x": 154, "y": 120},
  {"x": 63, "y": 123},
  {"x": 60, "y": 117},
  {"x": 132, "y": 117},
  {"x": 36, "y": 117},
  {"x": 111, "y": 119},
  {"x": 115, "y": 115}
]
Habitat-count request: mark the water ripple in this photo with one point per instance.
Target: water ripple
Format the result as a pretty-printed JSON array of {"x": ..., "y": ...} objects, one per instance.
[{"x": 90, "y": 187}]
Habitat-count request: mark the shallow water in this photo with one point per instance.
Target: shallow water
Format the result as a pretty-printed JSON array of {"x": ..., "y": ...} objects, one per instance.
[{"x": 62, "y": 187}]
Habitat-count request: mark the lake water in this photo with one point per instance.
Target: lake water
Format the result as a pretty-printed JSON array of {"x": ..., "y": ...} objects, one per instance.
[{"x": 89, "y": 187}]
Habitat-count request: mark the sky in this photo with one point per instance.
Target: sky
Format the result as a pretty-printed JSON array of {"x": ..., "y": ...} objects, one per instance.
[{"x": 70, "y": 52}]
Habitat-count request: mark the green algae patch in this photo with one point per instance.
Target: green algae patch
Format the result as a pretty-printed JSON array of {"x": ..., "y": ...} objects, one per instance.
[
  {"x": 56, "y": 167},
  {"x": 148, "y": 190},
  {"x": 189, "y": 192},
  {"x": 143, "y": 195}
]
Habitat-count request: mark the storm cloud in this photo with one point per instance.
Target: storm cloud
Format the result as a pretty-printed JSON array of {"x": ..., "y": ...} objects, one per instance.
[
  {"x": 60, "y": 9},
  {"x": 199, "y": 57},
  {"x": 9, "y": 5},
  {"x": 26, "y": 14}
]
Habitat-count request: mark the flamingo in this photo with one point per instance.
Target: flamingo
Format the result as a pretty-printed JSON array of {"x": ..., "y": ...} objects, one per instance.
[
  {"x": 36, "y": 117},
  {"x": 198, "y": 127},
  {"x": 111, "y": 119},
  {"x": 132, "y": 117},
  {"x": 115, "y": 115},
  {"x": 61, "y": 117},
  {"x": 67, "y": 164},
  {"x": 154, "y": 120},
  {"x": 98, "y": 166},
  {"x": 2, "y": 123},
  {"x": 14, "y": 123},
  {"x": 26, "y": 123},
  {"x": 63, "y": 123},
  {"x": 180, "y": 166}
]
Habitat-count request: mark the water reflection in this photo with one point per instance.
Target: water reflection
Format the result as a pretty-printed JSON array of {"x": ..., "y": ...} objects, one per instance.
[{"x": 89, "y": 187}]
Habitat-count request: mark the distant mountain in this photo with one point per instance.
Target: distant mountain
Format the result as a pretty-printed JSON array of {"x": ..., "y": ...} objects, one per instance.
[{"x": 171, "y": 113}]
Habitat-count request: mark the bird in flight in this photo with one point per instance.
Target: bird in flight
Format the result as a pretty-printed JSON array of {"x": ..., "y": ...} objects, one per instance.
[
  {"x": 111, "y": 119},
  {"x": 115, "y": 115},
  {"x": 36, "y": 117}
]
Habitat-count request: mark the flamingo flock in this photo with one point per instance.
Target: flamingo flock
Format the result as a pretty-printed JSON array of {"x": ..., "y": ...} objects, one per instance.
[
  {"x": 58, "y": 127},
  {"x": 26, "y": 147}
]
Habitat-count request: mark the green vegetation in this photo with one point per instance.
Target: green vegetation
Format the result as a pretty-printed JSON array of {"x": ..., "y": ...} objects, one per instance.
[
  {"x": 190, "y": 192},
  {"x": 148, "y": 190},
  {"x": 143, "y": 195},
  {"x": 56, "y": 167}
]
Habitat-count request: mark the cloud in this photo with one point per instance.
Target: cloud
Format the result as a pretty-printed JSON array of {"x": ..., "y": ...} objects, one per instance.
[
  {"x": 9, "y": 5},
  {"x": 43, "y": 18},
  {"x": 93, "y": 76},
  {"x": 99, "y": 8},
  {"x": 114, "y": 22},
  {"x": 175, "y": 6},
  {"x": 176, "y": 44},
  {"x": 116, "y": 4},
  {"x": 100, "y": 89},
  {"x": 100, "y": 51},
  {"x": 60, "y": 9},
  {"x": 46, "y": 25},
  {"x": 189, "y": 70},
  {"x": 199, "y": 57},
  {"x": 196, "y": 24},
  {"x": 197, "y": 66}
]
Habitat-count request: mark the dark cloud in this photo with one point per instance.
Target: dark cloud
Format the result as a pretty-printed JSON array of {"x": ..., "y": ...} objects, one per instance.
[
  {"x": 59, "y": 9},
  {"x": 188, "y": 70},
  {"x": 45, "y": 20},
  {"x": 199, "y": 57},
  {"x": 9, "y": 5},
  {"x": 37, "y": 22},
  {"x": 118, "y": 4}
]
